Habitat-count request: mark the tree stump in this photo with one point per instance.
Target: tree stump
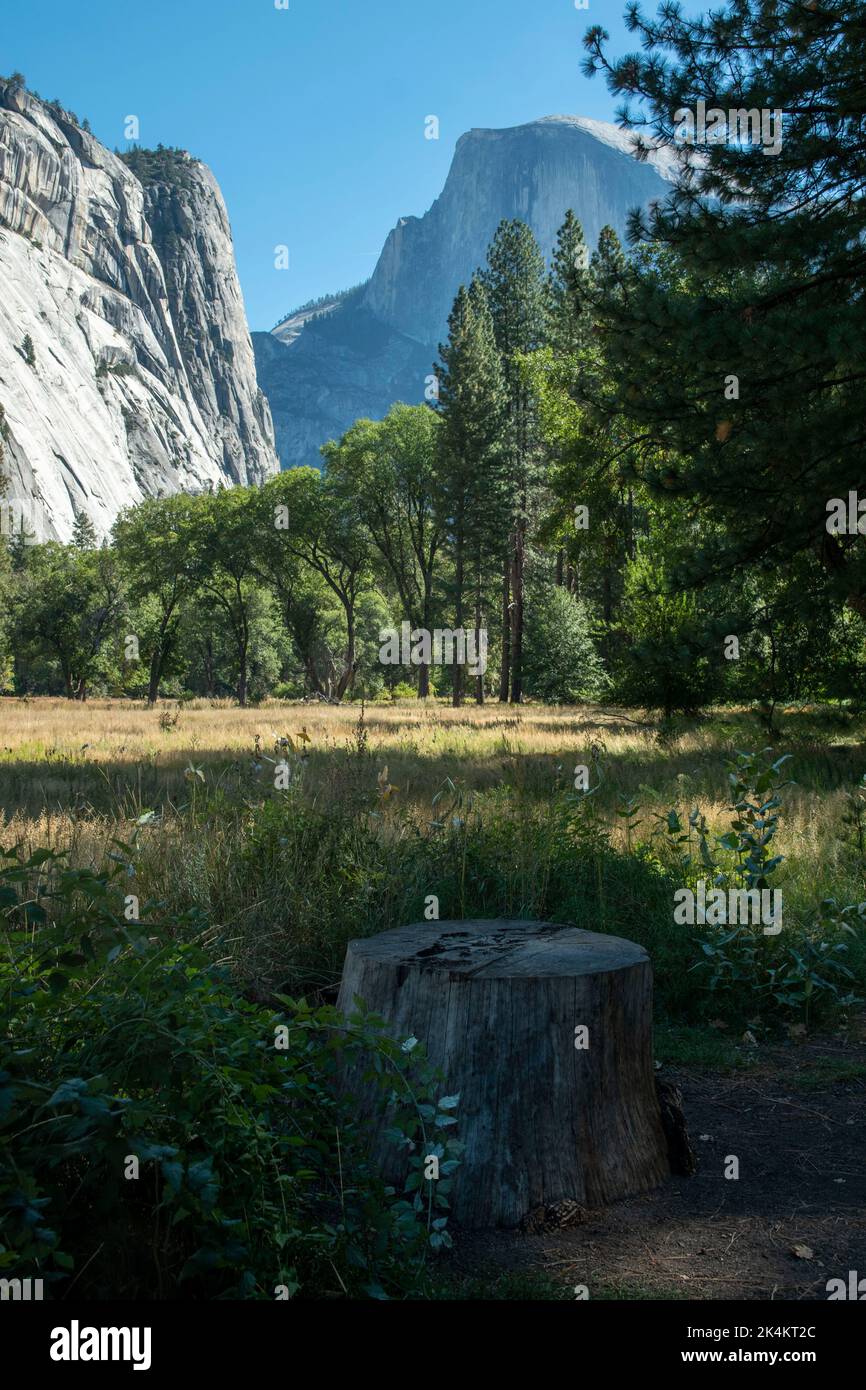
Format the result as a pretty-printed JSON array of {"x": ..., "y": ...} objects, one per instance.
[{"x": 548, "y": 1113}]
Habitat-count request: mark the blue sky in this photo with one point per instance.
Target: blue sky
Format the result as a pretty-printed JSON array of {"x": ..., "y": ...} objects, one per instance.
[{"x": 312, "y": 118}]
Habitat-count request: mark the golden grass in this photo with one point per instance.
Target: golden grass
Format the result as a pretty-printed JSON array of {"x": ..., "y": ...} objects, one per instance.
[
  {"x": 64, "y": 766},
  {"x": 76, "y": 777}
]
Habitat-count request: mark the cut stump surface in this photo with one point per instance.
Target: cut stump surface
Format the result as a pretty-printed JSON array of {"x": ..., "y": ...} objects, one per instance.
[{"x": 545, "y": 1031}]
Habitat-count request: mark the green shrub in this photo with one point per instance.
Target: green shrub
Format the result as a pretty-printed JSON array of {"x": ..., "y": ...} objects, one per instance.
[
  {"x": 125, "y": 1046},
  {"x": 796, "y": 975},
  {"x": 667, "y": 665},
  {"x": 561, "y": 662}
]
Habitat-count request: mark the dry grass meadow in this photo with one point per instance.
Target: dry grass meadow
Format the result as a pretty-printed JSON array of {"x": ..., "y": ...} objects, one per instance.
[
  {"x": 186, "y": 779},
  {"x": 390, "y": 803},
  {"x": 64, "y": 764}
]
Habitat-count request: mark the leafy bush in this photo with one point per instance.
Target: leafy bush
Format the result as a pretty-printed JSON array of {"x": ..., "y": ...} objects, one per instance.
[
  {"x": 561, "y": 662},
  {"x": 164, "y": 1137},
  {"x": 801, "y": 977},
  {"x": 667, "y": 666}
]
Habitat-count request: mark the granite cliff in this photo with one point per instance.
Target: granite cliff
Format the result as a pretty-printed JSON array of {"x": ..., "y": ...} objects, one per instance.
[
  {"x": 376, "y": 345},
  {"x": 126, "y": 366}
]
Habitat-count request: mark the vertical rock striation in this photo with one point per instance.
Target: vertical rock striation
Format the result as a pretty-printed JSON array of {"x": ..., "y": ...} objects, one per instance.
[
  {"x": 141, "y": 378},
  {"x": 377, "y": 345},
  {"x": 533, "y": 172}
]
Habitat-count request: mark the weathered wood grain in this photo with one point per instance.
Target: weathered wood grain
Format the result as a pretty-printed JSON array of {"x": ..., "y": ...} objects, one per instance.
[{"x": 497, "y": 1004}]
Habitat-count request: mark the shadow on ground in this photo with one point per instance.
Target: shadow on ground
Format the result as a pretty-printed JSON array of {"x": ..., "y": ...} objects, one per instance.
[{"x": 795, "y": 1217}]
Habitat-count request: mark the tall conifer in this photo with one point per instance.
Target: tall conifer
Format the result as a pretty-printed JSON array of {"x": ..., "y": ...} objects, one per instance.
[
  {"x": 736, "y": 340},
  {"x": 516, "y": 290},
  {"x": 473, "y": 404}
]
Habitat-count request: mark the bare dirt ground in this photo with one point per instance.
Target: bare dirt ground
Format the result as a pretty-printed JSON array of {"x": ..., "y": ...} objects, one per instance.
[{"x": 794, "y": 1218}]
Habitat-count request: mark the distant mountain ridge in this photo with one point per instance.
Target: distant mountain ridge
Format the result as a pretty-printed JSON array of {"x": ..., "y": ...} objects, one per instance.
[{"x": 381, "y": 340}]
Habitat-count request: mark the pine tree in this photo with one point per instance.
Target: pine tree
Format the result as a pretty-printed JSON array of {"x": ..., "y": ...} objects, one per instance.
[
  {"x": 593, "y": 514},
  {"x": 736, "y": 338},
  {"x": 568, "y": 315},
  {"x": 473, "y": 403},
  {"x": 84, "y": 532},
  {"x": 516, "y": 290},
  {"x": 568, "y": 290}
]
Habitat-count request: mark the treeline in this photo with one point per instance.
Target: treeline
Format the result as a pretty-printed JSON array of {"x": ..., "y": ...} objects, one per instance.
[
  {"x": 286, "y": 589},
  {"x": 165, "y": 164},
  {"x": 516, "y": 503},
  {"x": 17, "y": 82},
  {"x": 625, "y": 476},
  {"x": 249, "y": 592},
  {"x": 338, "y": 297}
]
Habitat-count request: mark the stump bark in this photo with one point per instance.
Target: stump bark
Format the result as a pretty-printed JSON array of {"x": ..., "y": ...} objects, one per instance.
[{"x": 544, "y": 1119}]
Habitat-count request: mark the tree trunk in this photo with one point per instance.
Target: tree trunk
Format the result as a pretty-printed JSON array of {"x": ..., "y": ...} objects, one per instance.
[
  {"x": 313, "y": 678},
  {"x": 157, "y": 661},
  {"x": 155, "y": 672},
  {"x": 560, "y": 567},
  {"x": 517, "y": 613},
  {"x": 505, "y": 670},
  {"x": 346, "y": 680},
  {"x": 457, "y": 669},
  {"x": 209, "y": 669},
  {"x": 545, "y": 1031},
  {"x": 242, "y": 675},
  {"x": 427, "y": 607},
  {"x": 479, "y": 679},
  {"x": 607, "y": 613}
]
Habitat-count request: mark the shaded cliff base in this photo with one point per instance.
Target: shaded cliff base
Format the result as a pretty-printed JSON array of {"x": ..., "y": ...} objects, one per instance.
[{"x": 322, "y": 373}]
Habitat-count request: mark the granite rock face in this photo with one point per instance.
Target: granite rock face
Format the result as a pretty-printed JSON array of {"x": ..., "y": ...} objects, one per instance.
[
  {"x": 377, "y": 345},
  {"x": 333, "y": 369},
  {"x": 139, "y": 377},
  {"x": 532, "y": 172}
]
